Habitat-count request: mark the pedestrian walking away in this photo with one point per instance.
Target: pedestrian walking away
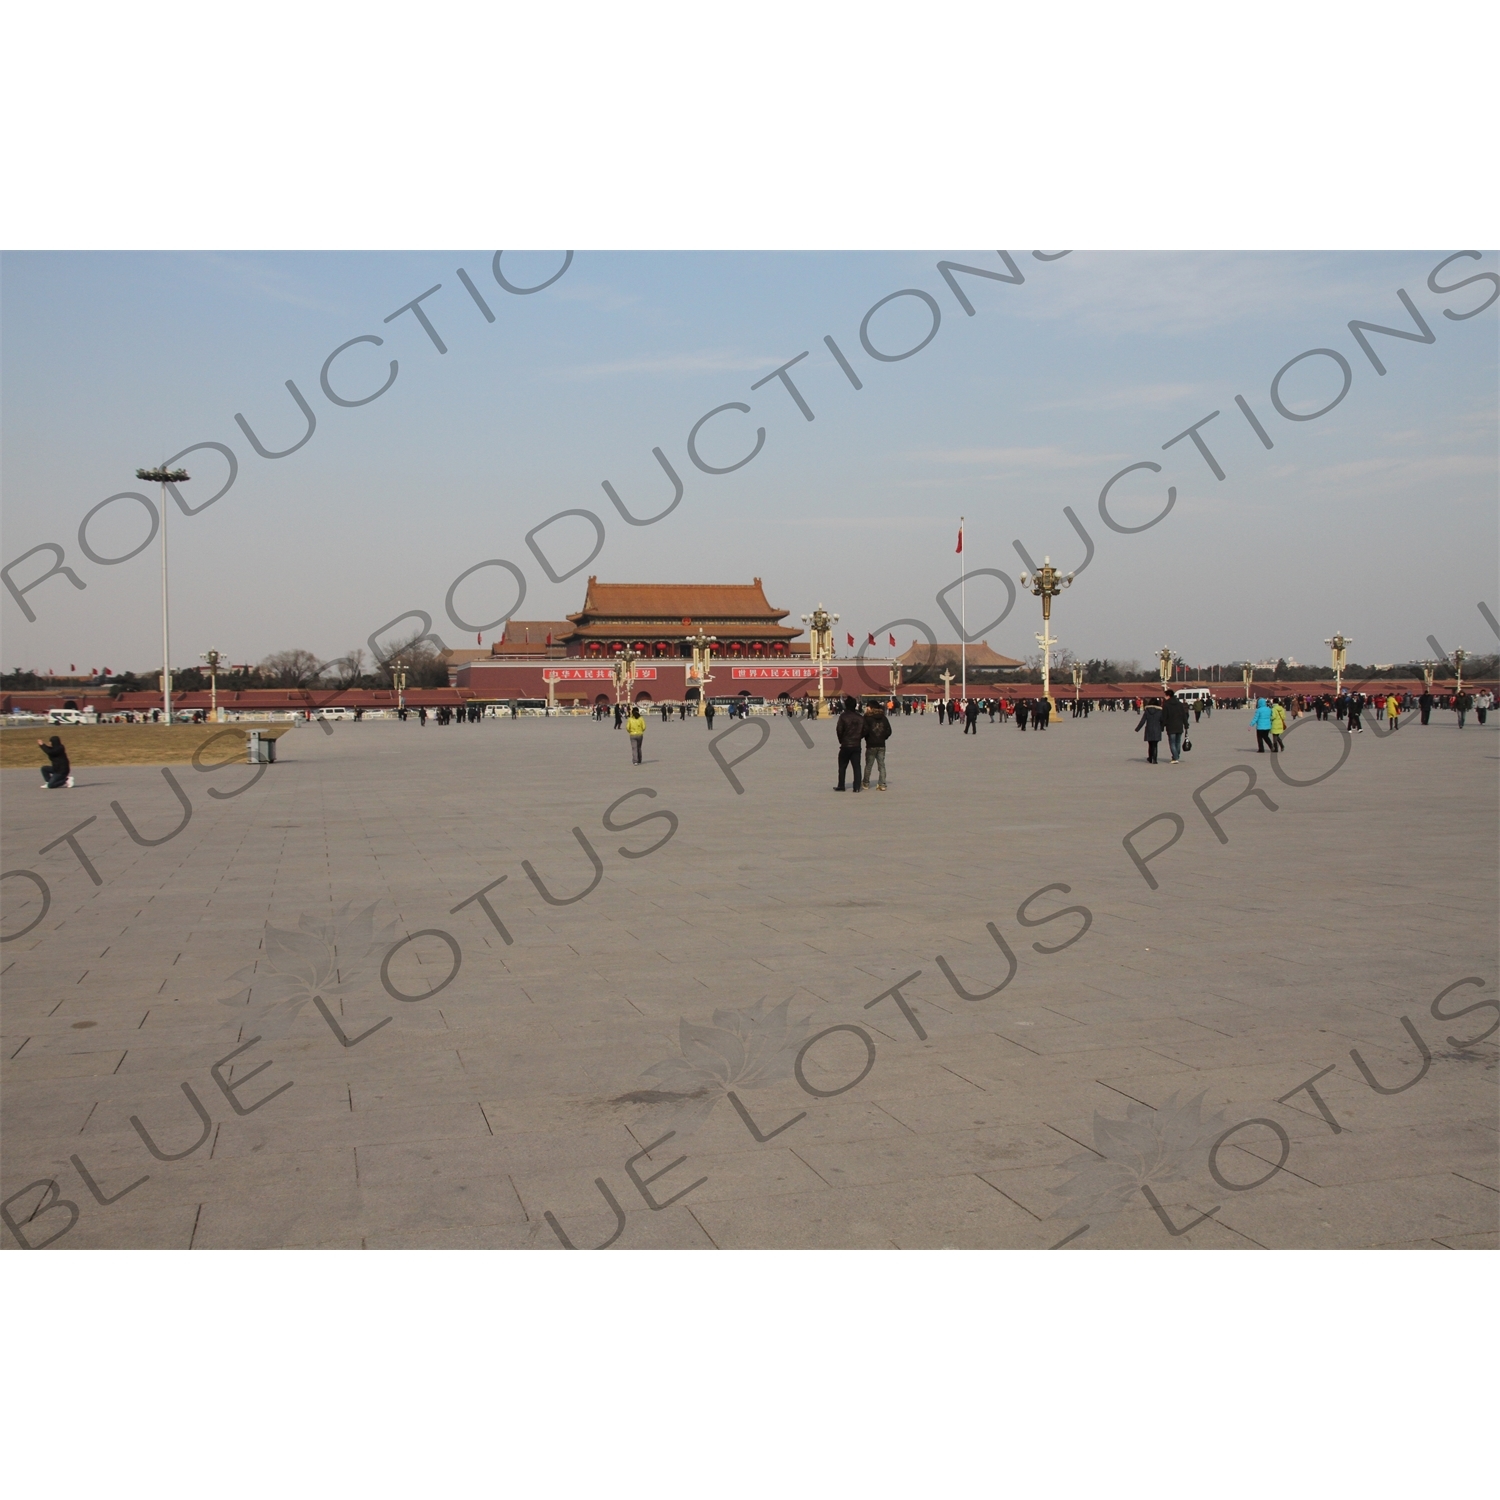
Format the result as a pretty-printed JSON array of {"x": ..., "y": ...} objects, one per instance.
[
  {"x": 1174, "y": 718},
  {"x": 1150, "y": 721},
  {"x": 57, "y": 773},
  {"x": 850, "y": 730},
  {"x": 1023, "y": 712},
  {"x": 1392, "y": 711},
  {"x": 635, "y": 727},
  {"x": 1042, "y": 712},
  {"x": 708, "y": 715},
  {"x": 1278, "y": 728},
  {"x": 877, "y": 732},
  {"x": 971, "y": 716},
  {"x": 1260, "y": 722}
]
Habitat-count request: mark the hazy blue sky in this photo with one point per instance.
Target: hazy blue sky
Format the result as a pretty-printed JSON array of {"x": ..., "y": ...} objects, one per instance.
[{"x": 1379, "y": 518}]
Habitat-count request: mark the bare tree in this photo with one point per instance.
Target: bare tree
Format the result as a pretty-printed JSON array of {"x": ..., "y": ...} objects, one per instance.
[
  {"x": 291, "y": 669},
  {"x": 348, "y": 669},
  {"x": 424, "y": 667}
]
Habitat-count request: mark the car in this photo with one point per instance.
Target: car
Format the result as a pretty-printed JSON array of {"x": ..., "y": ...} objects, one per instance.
[
  {"x": 1194, "y": 695},
  {"x": 333, "y": 711},
  {"x": 72, "y": 716}
]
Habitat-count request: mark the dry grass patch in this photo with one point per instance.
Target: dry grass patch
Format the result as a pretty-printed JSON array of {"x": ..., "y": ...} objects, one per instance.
[{"x": 133, "y": 744}]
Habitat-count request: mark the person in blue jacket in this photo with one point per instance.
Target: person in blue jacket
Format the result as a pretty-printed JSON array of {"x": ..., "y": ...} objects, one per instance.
[{"x": 1261, "y": 723}]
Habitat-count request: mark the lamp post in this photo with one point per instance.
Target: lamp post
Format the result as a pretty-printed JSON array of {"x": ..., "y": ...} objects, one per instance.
[
  {"x": 820, "y": 645},
  {"x": 164, "y": 476},
  {"x": 1077, "y": 680},
  {"x": 703, "y": 652},
  {"x": 1047, "y": 583},
  {"x": 625, "y": 674},
  {"x": 1428, "y": 667},
  {"x": 1339, "y": 644},
  {"x": 1167, "y": 660},
  {"x": 1460, "y": 656},
  {"x": 1247, "y": 673},
  {"x": 213, "y": 658},
  {"x": 398, "y": 667}
]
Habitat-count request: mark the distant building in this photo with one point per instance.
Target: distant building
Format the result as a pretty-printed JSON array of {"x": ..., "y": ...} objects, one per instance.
[{"x": 979, "y": 657}]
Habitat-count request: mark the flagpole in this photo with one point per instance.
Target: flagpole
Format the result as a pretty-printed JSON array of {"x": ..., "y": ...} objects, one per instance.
[{"x": 963, "y": 614}]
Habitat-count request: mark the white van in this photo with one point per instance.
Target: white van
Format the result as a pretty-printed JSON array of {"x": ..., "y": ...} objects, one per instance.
[
  {"x": 72, "y": 716},
  {"x": 334, "y": 711},
  {"x": 1192, "y": 695}
]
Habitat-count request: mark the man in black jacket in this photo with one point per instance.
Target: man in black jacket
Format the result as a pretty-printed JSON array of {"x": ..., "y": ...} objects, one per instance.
[
  {"x": 877, "y": 732},
  {"x": 1174, "y": 720},
  {"x": 850, "y": 730}
]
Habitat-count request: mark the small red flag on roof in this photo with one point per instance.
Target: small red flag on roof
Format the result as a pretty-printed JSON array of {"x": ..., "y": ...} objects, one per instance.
[
  {"x": 851, "y": 640},
  {"x": 960, "y": 546}
]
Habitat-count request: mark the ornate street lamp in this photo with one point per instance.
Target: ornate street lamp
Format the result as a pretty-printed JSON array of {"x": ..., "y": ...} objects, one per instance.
[
  {"x": 213, "y": 658},
  {"x": 398, "y": 666},
  {"x": 820, "y": 647},
  {"x": 1247, "y": 673},
  {"x": 703, "y": 652},
  {"x": 1428, "y": 667},
  {"x": 1460, "y": 656},
  {"x": 1047, "y": 583},
  {"x": 1077, "y": 679},
  {"x": 164, "y": 476},
  {"x": 1167, "y": 660},
  {"x": 625, "y": 674},
  {"x": 1339, "y": 644}
]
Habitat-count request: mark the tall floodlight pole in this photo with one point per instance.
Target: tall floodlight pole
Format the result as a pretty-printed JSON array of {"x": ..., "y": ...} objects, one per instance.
[
  {"x": 1460, "y": 656},
  {"x": 213, "y": 658},
  {"x": 1047, "y": 583},
  {"x": 963, "y": 617},
  {"x": 398, "y": 681},
  {"x": 1077, "y": 680},
  {"x": 1167, "y": 661},
  {"x": 1247, "y": 674},
  {"x": 164, "y": 476},
  {"x": 1428, "y": 668},
  {"x": 1339, "y": 644}
]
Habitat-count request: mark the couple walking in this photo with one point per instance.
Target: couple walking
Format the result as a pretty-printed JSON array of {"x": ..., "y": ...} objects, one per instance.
[
  {"x": 870, "y": 729},
  {"x": 1269, "y": 724},
  {"x": 1171, "y": 719}
]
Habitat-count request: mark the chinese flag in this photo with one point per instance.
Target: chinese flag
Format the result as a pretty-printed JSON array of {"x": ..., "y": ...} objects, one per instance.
[
  {"x": 72, "y": 666},
  {"x": 893, "y": 640},
  {"x": 851, "y": 640},
  {"x": 479, "y": 640},
  {"x": 872, "y": 640},
  {"x": 960, "y": 546},
  {"x": 549, "y": 637}
]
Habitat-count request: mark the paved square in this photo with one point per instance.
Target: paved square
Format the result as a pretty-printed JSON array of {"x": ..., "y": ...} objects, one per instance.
[{"x": 789, "y": 1024}]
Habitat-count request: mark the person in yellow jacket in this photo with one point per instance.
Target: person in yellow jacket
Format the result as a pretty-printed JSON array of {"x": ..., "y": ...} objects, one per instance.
[
  {"x": 635, "y": 727},
  {"x": 1278, "y": 727},
  {"x": 1393, "y": 711}
]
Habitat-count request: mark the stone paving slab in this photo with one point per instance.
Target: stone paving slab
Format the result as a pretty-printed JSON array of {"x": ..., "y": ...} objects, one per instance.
[{"x": 1056, "y": 1108}]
